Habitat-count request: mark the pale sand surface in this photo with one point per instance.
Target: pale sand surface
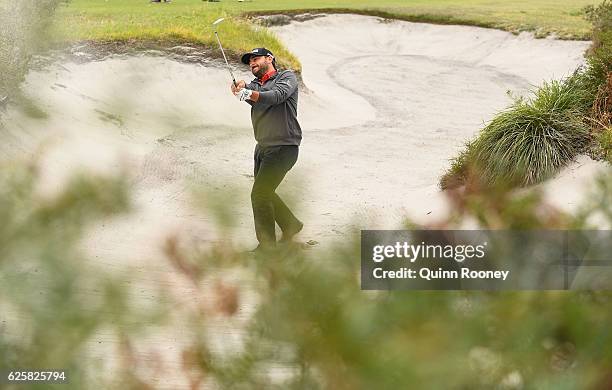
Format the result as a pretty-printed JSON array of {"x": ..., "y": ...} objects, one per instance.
[{"x": 388, "y": 103}]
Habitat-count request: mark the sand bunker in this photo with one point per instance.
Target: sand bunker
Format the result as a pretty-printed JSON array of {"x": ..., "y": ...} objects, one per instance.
[{"x": 388, "y": 103}]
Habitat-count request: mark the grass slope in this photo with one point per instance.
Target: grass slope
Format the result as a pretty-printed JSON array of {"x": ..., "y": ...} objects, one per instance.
[{"x": 189, "y": 20}]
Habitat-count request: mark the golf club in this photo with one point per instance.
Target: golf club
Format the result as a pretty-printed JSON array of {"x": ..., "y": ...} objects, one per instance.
[{"x": 215, "y": 23}]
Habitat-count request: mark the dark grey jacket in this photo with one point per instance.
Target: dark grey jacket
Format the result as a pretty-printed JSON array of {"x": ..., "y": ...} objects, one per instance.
[{"x": 274, "y": 115}]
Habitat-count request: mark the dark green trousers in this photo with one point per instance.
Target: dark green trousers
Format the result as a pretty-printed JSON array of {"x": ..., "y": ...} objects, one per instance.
[{"x": 271, "y": 165}]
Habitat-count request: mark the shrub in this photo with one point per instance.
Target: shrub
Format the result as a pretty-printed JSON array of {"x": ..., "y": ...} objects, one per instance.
[
  {"x": 600, "y": 17},
  {"x": 313, "y": 320}
]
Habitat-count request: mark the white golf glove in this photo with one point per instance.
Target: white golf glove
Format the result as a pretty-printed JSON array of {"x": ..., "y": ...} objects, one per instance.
[{"x": 244, "y": 94}]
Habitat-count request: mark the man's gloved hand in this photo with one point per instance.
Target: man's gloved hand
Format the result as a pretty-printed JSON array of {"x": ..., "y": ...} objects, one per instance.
[
  {"x": 239, "y": 85},
  {"x": 244, "y": 94}
]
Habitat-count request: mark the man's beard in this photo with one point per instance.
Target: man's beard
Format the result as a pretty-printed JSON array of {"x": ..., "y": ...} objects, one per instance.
[{"x": 261, "y": 71}]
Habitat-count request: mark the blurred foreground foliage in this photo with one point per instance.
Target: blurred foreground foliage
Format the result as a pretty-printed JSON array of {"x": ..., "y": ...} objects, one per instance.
[
  {"x": 535, "y": 137},
  {"x": 315, "y": 329},
  {"x": 311, "y": 327},
  {"x": 24, "y": 27},
  {"x": 52, "y": 299}
]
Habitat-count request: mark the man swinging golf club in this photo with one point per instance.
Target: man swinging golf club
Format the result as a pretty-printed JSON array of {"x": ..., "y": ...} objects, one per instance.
[{"x": 273, "y": 97}]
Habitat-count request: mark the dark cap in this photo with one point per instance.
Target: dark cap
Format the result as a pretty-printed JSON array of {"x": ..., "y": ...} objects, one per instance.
[{"x": 260, "y": 51}]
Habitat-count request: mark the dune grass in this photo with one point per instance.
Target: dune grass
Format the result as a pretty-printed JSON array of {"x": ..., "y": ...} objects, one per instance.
[
  {"x": 534, "y": 138},
  {"x": 190, "y": 20},
  {"x": 529, "y": 142}
]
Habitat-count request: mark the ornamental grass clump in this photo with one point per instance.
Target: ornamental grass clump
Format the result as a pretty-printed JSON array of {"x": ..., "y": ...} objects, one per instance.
[{"x": 530, "y": 141}]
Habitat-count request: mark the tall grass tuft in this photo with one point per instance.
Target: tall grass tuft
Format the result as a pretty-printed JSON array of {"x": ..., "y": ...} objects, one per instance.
[{"x": 528, "y": 142}]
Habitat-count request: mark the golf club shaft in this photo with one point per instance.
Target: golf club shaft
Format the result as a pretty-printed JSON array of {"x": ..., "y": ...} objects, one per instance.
[{"x": 225, "y": 58}]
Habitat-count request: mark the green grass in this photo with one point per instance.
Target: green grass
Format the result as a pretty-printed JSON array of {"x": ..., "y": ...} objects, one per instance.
[
  {"x": 172, "y": 22},
  {"x": 190, "y": 20},
  {"x": 544, "y": 17}
]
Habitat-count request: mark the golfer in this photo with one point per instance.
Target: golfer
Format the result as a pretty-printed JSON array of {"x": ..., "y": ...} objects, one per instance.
[{"x": 273, "y": 97}]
